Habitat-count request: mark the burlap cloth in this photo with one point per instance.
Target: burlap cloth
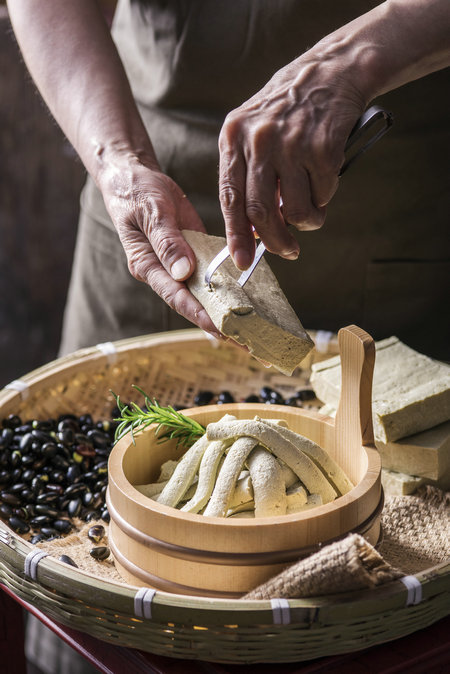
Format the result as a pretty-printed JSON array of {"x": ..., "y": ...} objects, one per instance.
[{"x": 416, "y": 536}]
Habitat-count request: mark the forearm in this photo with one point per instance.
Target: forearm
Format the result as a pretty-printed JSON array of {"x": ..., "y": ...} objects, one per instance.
[
  {"x": 69, "y": 52},
  {"x": 395, "y": 43}
]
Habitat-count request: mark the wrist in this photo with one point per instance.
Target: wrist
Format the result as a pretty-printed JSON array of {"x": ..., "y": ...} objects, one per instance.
[
  {"x": 114, "y": 164},
  {"x": 354, "y": 59}
]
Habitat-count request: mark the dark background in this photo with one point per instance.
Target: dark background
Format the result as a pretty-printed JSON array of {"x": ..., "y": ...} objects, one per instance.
[{"x": 40, "y": 181}]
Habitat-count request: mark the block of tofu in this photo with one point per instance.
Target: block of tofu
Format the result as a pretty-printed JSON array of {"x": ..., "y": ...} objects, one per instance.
[
  {"x": 399, "y": 484},
  {"x": 410, "y": 394},
  {"x": 425, "y": 454},
  {"x": 257, "y": 316}
]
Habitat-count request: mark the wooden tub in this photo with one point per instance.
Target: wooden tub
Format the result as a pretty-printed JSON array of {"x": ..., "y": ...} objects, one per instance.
[{"x": 185, "y": 553}]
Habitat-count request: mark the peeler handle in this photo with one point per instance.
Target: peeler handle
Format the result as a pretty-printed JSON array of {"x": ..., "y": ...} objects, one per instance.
[{"x": 369, "y": 121}]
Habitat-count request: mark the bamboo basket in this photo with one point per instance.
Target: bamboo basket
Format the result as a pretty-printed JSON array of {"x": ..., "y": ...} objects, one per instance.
[{"x": 173, "y": 367}]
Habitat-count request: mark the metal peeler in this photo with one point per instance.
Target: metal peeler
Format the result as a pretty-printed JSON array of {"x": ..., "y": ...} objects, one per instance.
[{"x": 369, "y": 121}]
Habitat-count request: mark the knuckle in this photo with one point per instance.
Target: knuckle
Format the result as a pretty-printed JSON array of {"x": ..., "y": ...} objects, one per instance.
[
  {"x": 263, "y": 134},
  {"x": 137, "y": 269},
  {"x": 231, "y": 129},
  {"x": 257, "y": 211},
  {"x": 166, "y": 247},
  {"x": 231, "y": 199}
]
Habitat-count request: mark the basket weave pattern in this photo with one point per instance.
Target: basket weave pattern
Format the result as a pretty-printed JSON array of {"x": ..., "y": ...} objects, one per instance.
[{"x": 172, "y": 368}]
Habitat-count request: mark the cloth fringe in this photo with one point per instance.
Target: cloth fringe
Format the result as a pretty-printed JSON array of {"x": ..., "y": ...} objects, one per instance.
[
  {"x": 416, "y": 536},
  {"x": 349, "y": 564}
]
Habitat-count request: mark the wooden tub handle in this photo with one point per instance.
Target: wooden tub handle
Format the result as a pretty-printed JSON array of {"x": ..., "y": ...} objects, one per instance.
[{"x": 353, "y": 424}]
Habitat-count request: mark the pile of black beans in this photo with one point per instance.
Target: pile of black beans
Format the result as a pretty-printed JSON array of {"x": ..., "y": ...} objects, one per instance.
[
  {"x": 52, "y": 471},
  {"x": 265, "y": 395}
]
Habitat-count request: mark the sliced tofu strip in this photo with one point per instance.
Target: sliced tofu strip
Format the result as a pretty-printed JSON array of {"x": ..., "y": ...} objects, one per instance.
[
  {"x": 297, "y": 497},
  {"x": 152, "y": 489},
  {"x": 237, "y": 454},
  {"x": 184, "y": 474},
  {"x": 268, "y": 484},
  {"x": 320, "y": 457},
  {"x": 307, "y": 471},
  {"x": 207, "y": 476}
]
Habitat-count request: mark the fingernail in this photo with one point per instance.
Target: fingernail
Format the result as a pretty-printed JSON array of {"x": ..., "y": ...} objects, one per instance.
[
  {"x": 293, "y": 255},
  {"x": 242, "y": 259},
  {"x": 180, "y": 269}
]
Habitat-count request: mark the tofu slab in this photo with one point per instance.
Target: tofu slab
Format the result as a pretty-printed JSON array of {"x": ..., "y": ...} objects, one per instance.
[
  {"x": 257, "y": 316},
  {"x": 399, "y": 484},
  {"x": 411, "y": 392}
]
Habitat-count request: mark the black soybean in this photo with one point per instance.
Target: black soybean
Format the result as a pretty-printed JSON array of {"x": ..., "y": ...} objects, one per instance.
[
  {"x": 43, "y": 509},
  {"x": 74, "y": 507},
  {"x": 265, "y": 393},
  {"x": 203, "y": 398},
  {"x": 96, "y": 533},
  {"x": 86, "y": 419},
  {"x": 40, "y": 521},
  {"x": 11, "y": 499},
  {"x": 90, "y": 515},
  {"x": 18, "y": 525},
  {"x": 73, "y": 472},
  {"x": 6, "y": 437},
  {"x": 99, "y": 553},
  {"x": 17, "y": 488},
  {"x": 277, "y": 398},
  {"x": 49, "y": 533},
  {"x": 105, "y": 515},
  {"x": 305, "y": 394},
  {"x": 67, "y": 560},
  {"x": 16, "y": 475},
  {"x": 47, "y": 497},
  {"x": 25, "y": 442},
  {"x": 37, "y": 538},
  {"x": 6, "y": 510},
  {"x": 63, "y": 526},
  {"x": 225, "y": 397},
  {"x": 5, "y": 477},
  {"x": 13, "y": 421},
  {"x": 88, "y": 498},
  {"x": 98, "y": 438},
  {"x": 28, "y": 475}
]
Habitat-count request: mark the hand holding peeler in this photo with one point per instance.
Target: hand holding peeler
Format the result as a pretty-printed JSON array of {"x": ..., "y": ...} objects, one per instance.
[{"x": 369, "y": 121}]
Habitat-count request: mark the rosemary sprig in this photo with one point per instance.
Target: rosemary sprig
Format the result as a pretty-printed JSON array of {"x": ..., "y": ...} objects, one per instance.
[{"x": 170, "y": 423}]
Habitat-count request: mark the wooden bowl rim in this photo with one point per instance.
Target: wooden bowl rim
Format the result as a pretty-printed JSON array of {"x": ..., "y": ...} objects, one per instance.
[{"x": 368, "y": 481}]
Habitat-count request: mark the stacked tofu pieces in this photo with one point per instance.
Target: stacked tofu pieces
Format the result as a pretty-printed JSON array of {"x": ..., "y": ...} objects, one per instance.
[{"x": 411, "y": 413}]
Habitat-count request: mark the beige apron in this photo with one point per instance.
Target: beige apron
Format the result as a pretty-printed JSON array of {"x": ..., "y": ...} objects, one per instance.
[{"x": 382, "y": 258}]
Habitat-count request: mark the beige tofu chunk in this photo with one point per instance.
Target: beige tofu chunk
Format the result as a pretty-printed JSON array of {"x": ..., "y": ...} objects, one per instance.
[
  {"x": 425, "y": 455},
  {"x": 257, "y": 316},
  {"x": 399, "y": 484},
  {"x": 411, "y": 392}
]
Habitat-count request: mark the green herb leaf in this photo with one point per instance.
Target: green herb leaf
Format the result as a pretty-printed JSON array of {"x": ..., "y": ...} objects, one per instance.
[{"x": 170, "y": 423}]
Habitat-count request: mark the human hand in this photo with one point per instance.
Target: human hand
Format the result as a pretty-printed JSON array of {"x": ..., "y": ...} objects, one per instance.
[
  {"x": 148, "y": 210},
  {"x": 285, "y": 145}
]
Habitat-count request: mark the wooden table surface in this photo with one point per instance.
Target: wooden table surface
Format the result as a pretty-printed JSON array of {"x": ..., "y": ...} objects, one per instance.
[{"x": 425, "y": 651}]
